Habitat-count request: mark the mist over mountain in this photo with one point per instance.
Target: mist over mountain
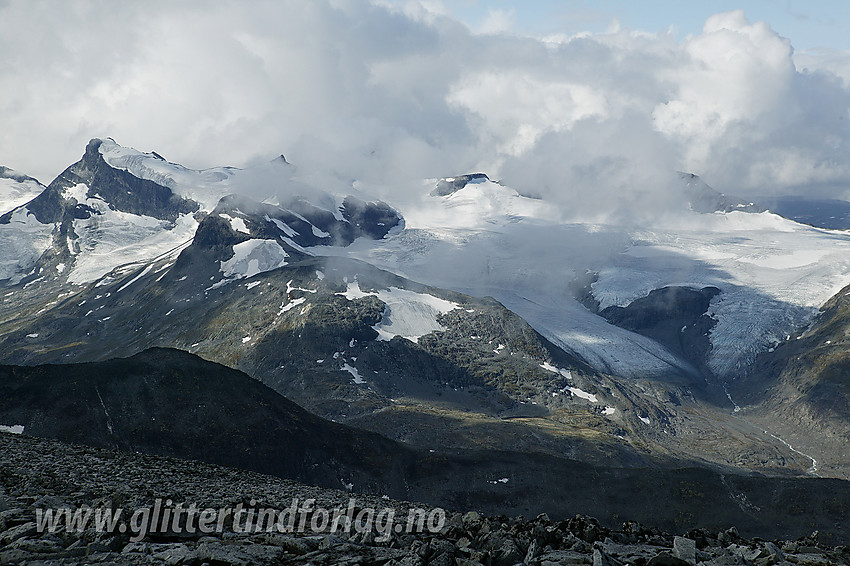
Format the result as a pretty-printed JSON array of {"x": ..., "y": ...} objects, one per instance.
[
  {"x": 492, "y": 269},
  {"x": 386, "y": 93},
  {"x": 477, "y": 299}
]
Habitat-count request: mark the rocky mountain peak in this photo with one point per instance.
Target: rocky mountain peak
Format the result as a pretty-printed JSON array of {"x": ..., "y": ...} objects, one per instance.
[
  {"x": 299, "y": 223},
  {"x": 216, "y": 233},
  {"x": 703, "y": 198},
  {"x": 119, "y": 189},
  {"x": 450, "y": 185}
]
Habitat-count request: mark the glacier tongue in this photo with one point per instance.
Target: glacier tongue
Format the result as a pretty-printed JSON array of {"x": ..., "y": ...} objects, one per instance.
[
  {"x": 530, "y": 278},
  {"x": 773, "y": 273},
  {"x": 606, "y": 347}
]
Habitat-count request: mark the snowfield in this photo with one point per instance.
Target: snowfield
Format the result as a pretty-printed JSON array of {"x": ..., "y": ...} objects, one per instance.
[
  {"x": 22, "y": 242},
  {"x": 205, "y": 187},
  {"x": 481, "y": 204},
  {"x": 267, "y": 182},
  {"x": 485, "y": 239},
  {"x": 408, "y": 314},
  {"x": 582, "y": 394},
  {"x": 113, "y": 238},
  {"x": 355, "y": 375},
  {"x": 14, "y": 193},
  {"x": 12, "y": 429},
  {"x": 252, "y": 257}
]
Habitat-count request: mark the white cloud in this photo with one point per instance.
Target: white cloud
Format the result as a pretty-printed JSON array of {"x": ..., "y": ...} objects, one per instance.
[
  {"x": 516, "y": 108},
  {"x": 497, "y": 21},
  {"x": 735, "y": 73},
  {"x": 385, "y": 93},
  {"x": 829, "y": 61}
]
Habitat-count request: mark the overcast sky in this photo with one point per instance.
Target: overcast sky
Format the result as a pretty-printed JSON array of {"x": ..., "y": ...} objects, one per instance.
[{"x": 570, "y": 103}]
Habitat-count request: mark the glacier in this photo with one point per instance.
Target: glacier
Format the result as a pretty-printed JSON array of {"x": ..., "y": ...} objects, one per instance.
[{"x": 486, "y": 239}]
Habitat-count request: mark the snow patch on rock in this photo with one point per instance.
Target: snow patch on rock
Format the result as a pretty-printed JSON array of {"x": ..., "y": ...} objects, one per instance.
[
  {"x": 560, "y": 371},
  {"x": 581, "y": 394},
  {"x": 407, "y": 314},
  {"x": 357, "y": 378},
  {"x": 252, "y": 257}
]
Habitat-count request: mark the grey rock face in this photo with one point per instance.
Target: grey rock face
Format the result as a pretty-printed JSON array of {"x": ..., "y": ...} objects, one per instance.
[
  {"x": 703, "y": 198},
  {"x": 299, "y": 223},
  {"x": 452, "y": 185},
  {"x": 214, "y": 233},
  {"x": 120, "y": 189},
  {"x": 371, "y": 219},
  {"x": 674, "y": 316},
  {"x": 685, "y": 549}
]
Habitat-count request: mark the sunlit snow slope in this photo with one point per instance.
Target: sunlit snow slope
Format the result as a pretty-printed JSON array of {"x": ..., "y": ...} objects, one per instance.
[
  {"x": 485, "y": 239},
  {"x": 94, "y": 227},
  {"x": 16, "y": 189}
]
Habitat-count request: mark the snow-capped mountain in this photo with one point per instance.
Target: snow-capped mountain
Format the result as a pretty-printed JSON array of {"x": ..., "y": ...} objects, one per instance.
[
  {"x": 118, "y": 206},
  {"x": 485, "y": 239},
  {"x": 379, "y": 314},
  {"x": 16, "y": 189}
]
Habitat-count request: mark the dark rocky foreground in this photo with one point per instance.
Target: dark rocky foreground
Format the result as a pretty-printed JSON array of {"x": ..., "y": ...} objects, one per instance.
[
  {"x": 46, "y": 474},
  {"x": 174, "y": 404},
  {"x": 170, "y": 403}
]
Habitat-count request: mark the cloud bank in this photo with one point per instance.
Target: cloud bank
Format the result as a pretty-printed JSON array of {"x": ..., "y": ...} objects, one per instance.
[{"x": 387, "y": 93}]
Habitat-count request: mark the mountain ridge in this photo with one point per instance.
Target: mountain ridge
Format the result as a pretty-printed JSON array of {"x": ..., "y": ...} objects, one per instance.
[{"x": 306, "y": 297}]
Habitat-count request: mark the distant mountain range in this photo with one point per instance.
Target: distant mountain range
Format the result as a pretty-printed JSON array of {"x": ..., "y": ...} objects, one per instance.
[{"x": 468, "y": 320}]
